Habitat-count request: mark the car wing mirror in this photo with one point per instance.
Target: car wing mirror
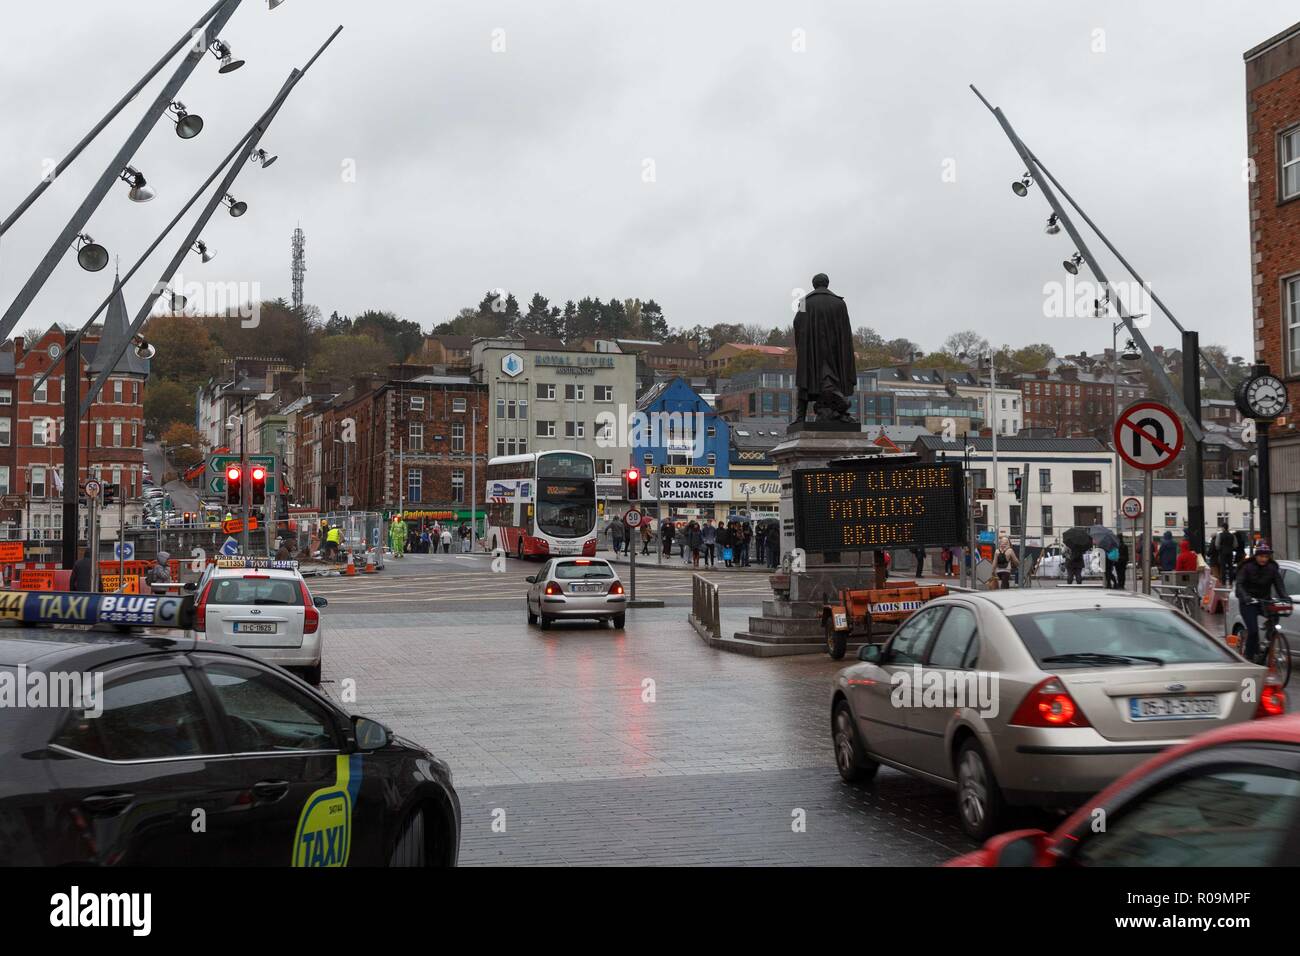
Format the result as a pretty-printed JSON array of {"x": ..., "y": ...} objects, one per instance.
[
  {"x": 1017, "y": 848},
  {"x": 872, "y": 653},
  {"x": 320, "y": 601},
  {"x": 531, "y": 579},
  {"x": 370, "y": 734}
]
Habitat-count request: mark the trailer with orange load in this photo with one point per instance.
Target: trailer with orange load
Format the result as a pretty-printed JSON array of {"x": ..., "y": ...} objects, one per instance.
[{"x": 872, "y": 612}]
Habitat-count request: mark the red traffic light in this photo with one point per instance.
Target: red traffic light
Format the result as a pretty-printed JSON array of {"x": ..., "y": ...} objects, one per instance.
[
  {"x": 633, "y": 474},
  {"x": 232, "y": 473},
  {"x": 259, "y": 473}
]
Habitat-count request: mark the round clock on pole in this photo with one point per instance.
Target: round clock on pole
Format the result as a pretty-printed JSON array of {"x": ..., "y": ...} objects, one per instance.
[{"x": 1262, "y": 397}]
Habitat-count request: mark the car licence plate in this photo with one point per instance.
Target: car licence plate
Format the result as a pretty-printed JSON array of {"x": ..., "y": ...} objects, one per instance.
[
  {"x": 586, "y": 588},
  {"x": 1173, "y": 708},
  {"x": 243, "y": 627}
]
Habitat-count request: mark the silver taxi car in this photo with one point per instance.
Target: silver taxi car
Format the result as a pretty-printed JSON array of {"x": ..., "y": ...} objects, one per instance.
[
  {"x": 1037, "y": 697},
  {"x": 576, "y": 588}
]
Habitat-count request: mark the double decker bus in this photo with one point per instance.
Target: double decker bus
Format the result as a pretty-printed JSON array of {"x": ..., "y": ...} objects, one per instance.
[{"x": 541, "y": 504}]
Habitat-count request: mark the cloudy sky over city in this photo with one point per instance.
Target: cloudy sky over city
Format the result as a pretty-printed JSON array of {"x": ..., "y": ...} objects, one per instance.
[{"x": 713, "y": 156}]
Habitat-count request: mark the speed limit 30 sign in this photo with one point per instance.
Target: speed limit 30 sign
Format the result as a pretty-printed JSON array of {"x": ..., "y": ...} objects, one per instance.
[{"x": 1148, "y": 435}]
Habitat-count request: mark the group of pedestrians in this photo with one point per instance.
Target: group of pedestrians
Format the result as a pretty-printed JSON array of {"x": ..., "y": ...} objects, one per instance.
[
  {"x": 439, "y": 537},
  {"x": 736, "y": 544}
]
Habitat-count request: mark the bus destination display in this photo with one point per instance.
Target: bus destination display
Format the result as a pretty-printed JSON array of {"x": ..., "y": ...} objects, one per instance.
[{"x": 879, "y": 506}]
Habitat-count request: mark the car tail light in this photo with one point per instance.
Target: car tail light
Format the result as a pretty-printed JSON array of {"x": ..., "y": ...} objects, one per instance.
[
  {"x": 310, "y": 616},
  {"x": 257, "y": 577},
  {"x": 553, "y": 588},
  {"x": 201, "y": 609},
  {"x": 1049, "y": 705},
  {"x": 616, "y": 588},
  {"x": 1272, "y": 700}
]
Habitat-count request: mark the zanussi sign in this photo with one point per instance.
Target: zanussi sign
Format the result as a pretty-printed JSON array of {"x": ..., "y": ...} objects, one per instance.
[{"x": 878, "y": 505}]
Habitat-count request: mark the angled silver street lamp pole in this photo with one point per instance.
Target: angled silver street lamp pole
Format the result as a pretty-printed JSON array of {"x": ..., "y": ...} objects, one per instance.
[
  {"x": 118, "y": 168},
  {"x": 192, "y": 238},
  {"x": 112, "y": 114}
]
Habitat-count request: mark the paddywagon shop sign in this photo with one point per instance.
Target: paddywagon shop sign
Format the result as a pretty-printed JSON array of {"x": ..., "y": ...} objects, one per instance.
[{"x": 878, "y": 505}]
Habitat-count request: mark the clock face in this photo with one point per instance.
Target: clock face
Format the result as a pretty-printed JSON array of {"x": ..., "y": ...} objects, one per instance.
[
  {"x": 55, "y": 351},
  {"x": 1266, "y": 396}
]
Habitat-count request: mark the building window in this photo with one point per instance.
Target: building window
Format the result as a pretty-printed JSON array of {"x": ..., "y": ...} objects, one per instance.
[
  {"x": 458, "y": 485},
  {"x": 1171, "y": 519},
  {"x": 41, "y": 395},
  {"x": 1044, "y": 479},
  {"x": 4, "y": 479},
  {"x": 523, "y": 408},
  {"x": 546, "y": 391},
  {"x": 415, "y": 436},
  {"x": 575, "y": 429},
  {"x": 1293, "y": 324},
  {"x": 117, "y": 392},
  {"x": 1015, "y": 518},
  {"x": 40, "y": 431},
  {"x": 711, "y": 431},
  {"x": 545, "y": 429},
  {"x": 1222, "y": 518},
  {"x": 649, "y": 460},
  {"x": 117, "y": 434},
  {"x": 501, "y": 447},
  {"x": 604, "y": 393},
  {"x": 575, "y": 393},
  {"x": 1012, "y": 475},
  {"x": 1290, "y": 150},
  {"x": 510, "y": 410},
  {"x": 99, "y": 434},
  {"x": 414, "y": 484},
  {"x": 1087, "y": 482},
  {"x": 712, "y": 459},
  {"x": 458, "y": 405},
  {"x": 978, "y": 478},
  {"x": 1087, "y": 517},
  {"x": 501, "y": 408},
  {"x": 1047, "y": 519},
  {"x": 38, "y": 481},
  {"x": 417, "y": 403},
  {"x": 6, "y": 396},
  {"x": 457, "y": 436},
  {"x": 4, "y": 433}
]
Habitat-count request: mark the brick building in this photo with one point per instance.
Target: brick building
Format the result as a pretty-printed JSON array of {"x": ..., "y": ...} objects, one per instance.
[
  {"x": 112, "y": 431},
  {"x": 1071, "y": 402},
  {"x": 413, "y": 444},
  {"x": 1273, "y": 146}
]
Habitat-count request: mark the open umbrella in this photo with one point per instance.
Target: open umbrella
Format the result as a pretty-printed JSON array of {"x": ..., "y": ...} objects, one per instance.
[
  {"x": 1103, "y": 537},
  {"x": 1077, "y": 538}
]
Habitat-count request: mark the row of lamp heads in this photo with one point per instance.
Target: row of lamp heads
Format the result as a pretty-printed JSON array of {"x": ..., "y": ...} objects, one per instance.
[
  {"x": 1101, "y": 307},
  {"x": 93, "y": 257}
]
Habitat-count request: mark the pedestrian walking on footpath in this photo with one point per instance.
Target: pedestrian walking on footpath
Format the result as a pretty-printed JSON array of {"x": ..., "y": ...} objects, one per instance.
[
  {"x": 446, "y": 541},
  {"x": 773, "y": 545},
  {"x": 746, "y": 535},
  {"x": 1004, "y": 562},
  {"x": 647, "y": 536},
  {"x": 616, "y": 535},
  {"x": 709, "y": 539},
  {"x": 694, "y": 541}
]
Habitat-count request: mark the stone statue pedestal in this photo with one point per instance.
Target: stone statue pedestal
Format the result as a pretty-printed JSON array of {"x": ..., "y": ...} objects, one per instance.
[{"x": 791, "y": 622}]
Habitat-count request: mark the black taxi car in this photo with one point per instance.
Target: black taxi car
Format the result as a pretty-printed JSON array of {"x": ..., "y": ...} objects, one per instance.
[{"x": 134, "y": 748}]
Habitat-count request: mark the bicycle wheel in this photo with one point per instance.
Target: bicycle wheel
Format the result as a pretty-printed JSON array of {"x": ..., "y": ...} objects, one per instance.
[{"x": 1279, "y": 658}]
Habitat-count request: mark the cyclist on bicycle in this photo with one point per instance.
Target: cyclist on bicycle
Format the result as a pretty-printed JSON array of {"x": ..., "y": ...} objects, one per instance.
[{"x": 1257, "y": 581}]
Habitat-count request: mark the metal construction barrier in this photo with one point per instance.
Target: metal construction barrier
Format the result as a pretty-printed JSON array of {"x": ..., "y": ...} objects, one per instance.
[
  {"x": 706, "y": 609},
  {"x": 363, "y": 532}
]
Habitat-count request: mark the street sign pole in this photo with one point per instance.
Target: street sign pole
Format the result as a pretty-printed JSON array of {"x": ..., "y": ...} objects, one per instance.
[
  {"x": 1146, "y": 545},
  {"x": 121, "y": 537}
]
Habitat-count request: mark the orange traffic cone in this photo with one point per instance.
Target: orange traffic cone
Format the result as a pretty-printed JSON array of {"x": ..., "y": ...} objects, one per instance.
[
  {"x": 351, "y": 570},
  {"x": 370, "y": 562}
]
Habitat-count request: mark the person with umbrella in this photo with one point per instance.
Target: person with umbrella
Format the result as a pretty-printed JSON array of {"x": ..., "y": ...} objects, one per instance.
[
  {"x": 1168, "y": 553},
  {"x": 1103, "y": 538},
  {"x": 1077, "y": 542}
]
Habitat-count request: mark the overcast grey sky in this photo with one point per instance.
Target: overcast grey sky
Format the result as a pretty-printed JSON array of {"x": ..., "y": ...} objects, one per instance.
[{"x": 525, "y": 169}]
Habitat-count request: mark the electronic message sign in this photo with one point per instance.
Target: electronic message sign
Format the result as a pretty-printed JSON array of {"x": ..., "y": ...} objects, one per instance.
[{"x": 879, "y": 505}]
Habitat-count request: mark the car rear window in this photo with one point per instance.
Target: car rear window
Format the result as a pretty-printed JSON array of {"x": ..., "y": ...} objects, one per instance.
[
  {"x": 1132, "y": 631},
  {"x": 256, "y": 590},
  {"x": 575, "y": 571}
]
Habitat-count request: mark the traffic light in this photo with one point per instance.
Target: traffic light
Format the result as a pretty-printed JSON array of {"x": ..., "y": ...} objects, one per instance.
[
  {"x": 1020, "y": 487},
  {"x": 234, "y": 485},
  {"x": 1238, "y": 482},
  {"x": 632, "y": 484},
  {"x": 258, "y": 475}
]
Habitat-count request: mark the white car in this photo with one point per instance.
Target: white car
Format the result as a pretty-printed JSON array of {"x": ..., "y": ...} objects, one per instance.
[{"x": 266, "y": 609}]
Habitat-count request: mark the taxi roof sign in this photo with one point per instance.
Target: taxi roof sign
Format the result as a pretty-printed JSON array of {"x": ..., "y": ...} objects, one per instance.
[
  {"x": 257, "y": 563},
  {"x": 70, "y": 607}
]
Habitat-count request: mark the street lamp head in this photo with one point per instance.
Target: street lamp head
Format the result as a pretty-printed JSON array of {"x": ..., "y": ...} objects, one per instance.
[
  {"x": 237, "y": 208},
  {"x": 1130, "y": 353},
  {"x": 1072, "y": 264},
  {"x": 1053, "y": 226},
  {"x": 188, "y": 125},
  {"x": 261, "y": 156},
  {"x": 1021, "y": 186},
  {"x": 221, "y": 50},
  {"x": 140, "y": 190},
  {"x": 204, "y": 252},
  {"x": 91, "y": 256},
  {"x": 142, "y": 347}
]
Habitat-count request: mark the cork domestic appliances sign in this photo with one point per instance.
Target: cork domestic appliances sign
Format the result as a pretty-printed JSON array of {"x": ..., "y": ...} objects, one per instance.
[{"x": 878, "y": 506}]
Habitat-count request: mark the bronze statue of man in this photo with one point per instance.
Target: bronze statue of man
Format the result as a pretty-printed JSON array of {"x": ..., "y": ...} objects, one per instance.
[{"x": 826, "y": 373}]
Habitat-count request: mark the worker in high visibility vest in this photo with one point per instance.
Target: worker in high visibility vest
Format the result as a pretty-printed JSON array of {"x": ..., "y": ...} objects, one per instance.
[
  {"x": 333, "y": 541},
  {"x": 397, "y": 537}
]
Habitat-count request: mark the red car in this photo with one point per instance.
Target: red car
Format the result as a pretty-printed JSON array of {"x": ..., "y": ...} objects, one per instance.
[{"x": 1227, "y": 798}]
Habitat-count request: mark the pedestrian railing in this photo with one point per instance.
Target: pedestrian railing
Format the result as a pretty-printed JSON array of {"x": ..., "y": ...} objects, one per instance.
[{"x": 706, "y": 610}]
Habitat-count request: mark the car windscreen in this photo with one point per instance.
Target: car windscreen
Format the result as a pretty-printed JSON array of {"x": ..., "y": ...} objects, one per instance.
[
  {"x": 1091, "y": 637},
  {"x": 256, "y": 590},
  {"x": 576, "y": 571}
]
